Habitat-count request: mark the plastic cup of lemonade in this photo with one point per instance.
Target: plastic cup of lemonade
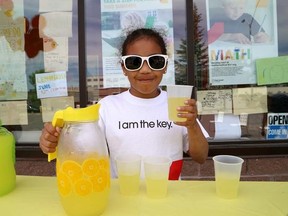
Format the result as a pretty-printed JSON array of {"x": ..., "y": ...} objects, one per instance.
[
  {"x": 177, "y": 95},
  {"x": 128, "y": 167},
  {"x": 227, "y": 175},
  {"x": 156, "y": 176}
]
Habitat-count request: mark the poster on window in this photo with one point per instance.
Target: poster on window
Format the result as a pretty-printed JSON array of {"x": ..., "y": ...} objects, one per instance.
[
  {"x": 118, "y": 17},
  {"x": 239, "y": 32}
]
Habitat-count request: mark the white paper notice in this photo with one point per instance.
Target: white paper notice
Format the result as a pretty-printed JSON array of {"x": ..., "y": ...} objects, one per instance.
[
  {"x": 52, "y": 84},
  {"x": 56, "y": 54},
  {"x": 12, "y": 25},
  {"x": 214, "y": 101},
  {"x": 56, "y": 24},
  {"x": 51, "y": 105},
  {"x": 227, "y": 127},
  {"x": 55, "y": 5},
  {"x": 13, "y": 80},
  {"x": 250, "y": 100},
  {"x": 14, "y": 113}
]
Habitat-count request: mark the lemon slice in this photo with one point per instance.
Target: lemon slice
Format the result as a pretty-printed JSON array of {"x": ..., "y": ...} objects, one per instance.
[
  {"x": 83, "y": 187},
  {"x": 100, "y": 181},
  {"x": 63, "y": 182},
  {"x": 72, "y": 170},
  {"x": 104, "y": 163},
  {"x": 90, "y": 167}
]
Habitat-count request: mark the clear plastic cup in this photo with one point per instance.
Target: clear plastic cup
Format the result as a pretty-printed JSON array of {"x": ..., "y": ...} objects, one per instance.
[
  {"x": 156, "y": 176},
  {"x": 177, "y": 95},
  {"x": 128, "y": 168},
  {"x": 227, "y": 175}
]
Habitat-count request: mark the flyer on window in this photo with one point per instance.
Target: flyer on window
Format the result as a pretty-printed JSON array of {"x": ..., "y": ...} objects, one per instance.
[
  {"x": 52, "y": 84},
  {"x": 13, "y": 80},
  {"x": 239, "y": 32},
  {"x": 118, "y": 17}
]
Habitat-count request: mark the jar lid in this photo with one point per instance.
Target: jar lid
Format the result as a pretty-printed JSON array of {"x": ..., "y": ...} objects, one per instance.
[{"x": 90, "y": 113}]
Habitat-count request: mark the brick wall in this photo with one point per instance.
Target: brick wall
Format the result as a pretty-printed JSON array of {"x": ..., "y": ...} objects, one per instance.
[{"x": 36, "y": 167}]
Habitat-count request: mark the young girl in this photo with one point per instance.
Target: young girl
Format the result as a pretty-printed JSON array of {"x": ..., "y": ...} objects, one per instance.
[{"x": 136, "y": 120}]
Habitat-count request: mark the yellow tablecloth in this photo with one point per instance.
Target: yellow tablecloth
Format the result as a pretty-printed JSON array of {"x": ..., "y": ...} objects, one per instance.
[{"x": 38, "y": 196}]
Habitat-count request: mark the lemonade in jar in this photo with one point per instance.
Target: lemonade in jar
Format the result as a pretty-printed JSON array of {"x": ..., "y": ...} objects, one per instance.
[
  {"x": 84, "y": 185},
  {"x": 82, "y": 167}
]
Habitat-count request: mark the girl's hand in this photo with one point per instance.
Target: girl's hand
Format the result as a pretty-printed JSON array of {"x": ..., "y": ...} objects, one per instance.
[
  {"x": 188, "y": 111},
  {"x": 49, "y": 138}
]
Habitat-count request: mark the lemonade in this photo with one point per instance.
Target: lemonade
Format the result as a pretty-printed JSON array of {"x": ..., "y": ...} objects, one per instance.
[
  {"x": 84, "y": 187},
  {"x": 129, "y": 184},
  {"x": 156, "y": 188},
  {"x": 7, "y": 160},
  {"x": 173, "y": 103},
  {"x": 227, "y": 187},
  {"x": 92, "y": 204},
  {"x": 128, "y": 168}
]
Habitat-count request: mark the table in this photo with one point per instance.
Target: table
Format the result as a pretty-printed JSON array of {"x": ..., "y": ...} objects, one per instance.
[{"x": 38, "y": 196}]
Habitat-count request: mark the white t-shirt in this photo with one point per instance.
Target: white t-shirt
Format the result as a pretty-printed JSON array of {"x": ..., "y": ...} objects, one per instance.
[{"x": 141, "y": 126}]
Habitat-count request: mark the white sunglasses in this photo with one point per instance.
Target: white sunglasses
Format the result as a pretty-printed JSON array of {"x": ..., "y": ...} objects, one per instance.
[{"x": 135, "y": 62}]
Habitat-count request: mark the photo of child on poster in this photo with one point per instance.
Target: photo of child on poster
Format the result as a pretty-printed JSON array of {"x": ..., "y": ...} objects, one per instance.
[
  {"x": 238, "y": 33},
  {"x": 121, "y": 17}
]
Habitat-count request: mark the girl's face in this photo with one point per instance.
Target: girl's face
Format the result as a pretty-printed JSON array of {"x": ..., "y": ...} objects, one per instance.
[{"x": 144, "y": 82}]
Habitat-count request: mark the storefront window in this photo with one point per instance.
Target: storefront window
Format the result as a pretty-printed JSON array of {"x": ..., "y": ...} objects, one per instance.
[{"x": 233, "y": 52}]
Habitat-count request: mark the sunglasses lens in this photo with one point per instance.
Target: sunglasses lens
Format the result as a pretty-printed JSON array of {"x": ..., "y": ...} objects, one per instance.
[
  {"x": 157, "y": 62},
  {"x": 133, "y": 62}
]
